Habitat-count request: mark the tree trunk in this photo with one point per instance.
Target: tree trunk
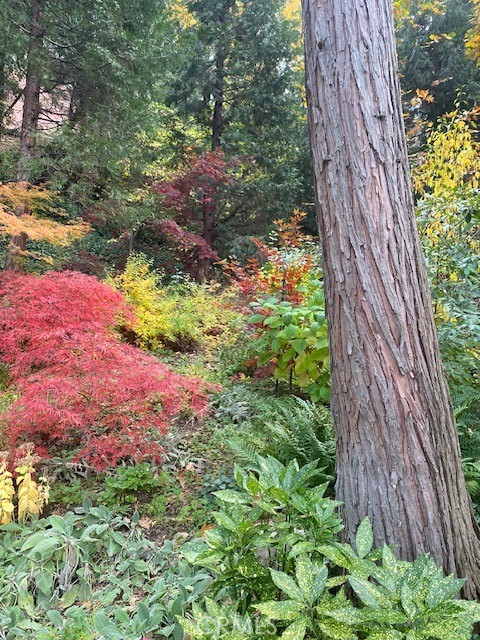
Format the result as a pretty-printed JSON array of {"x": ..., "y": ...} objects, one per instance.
[
  {"x": 217, "y": 119},
  {"x": 398, "y": 456},
  {"x": 30, "y": 115}
]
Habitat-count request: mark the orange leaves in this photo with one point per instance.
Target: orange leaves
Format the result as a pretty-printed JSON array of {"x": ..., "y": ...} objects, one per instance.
[
  {"x": 286, "y": 262},
  {"x": 42, "y": 230},
  {"x": 20, "y": 204}
]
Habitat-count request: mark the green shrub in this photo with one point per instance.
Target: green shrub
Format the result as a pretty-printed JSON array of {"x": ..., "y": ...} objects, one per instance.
[
  {"x": 279, "y": 571},
  {"x": 93, "y": 571},
  {"x": 286, "y": 427},
  {"x": 294, "y": 338},
  {"x": 126, "y": 483}
]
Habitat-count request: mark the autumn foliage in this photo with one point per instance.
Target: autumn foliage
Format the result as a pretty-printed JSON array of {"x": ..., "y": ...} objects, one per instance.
[
  {"x": 78, "y": 385},
  {"x": 281, "y": 266},
  {"x": 193, "y": 198},
  {"x": 31, "y": 201}
]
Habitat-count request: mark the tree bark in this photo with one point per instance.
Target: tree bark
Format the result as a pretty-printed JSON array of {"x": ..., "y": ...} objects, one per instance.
[
  {"x": 30, "y": 115},
  {"x": 398, "y": 456},
  {"x": 217, "y": 118}
]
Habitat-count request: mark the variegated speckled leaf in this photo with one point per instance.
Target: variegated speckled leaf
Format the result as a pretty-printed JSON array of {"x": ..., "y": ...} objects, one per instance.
[
  {"x": 448, "y": 629},
  {"x": 286, "y": 584},
  {"x": 335, "y": 555},
  {"x": 444, "y": 590},
  {"x": 296, "y": 631},
  {"x": 364, "y": 538},
  {"x": 305, "y": 574},
  {"x": 318, "y": 586},
  {"x": 369, "y": 594},
  {"x": 386, "y": 634},
  {"x": 336, "y": 630},
  {"x": 281, "y": 609},
  {"x": 190, "y": 628},
  {"x": 301, "y": 548}
]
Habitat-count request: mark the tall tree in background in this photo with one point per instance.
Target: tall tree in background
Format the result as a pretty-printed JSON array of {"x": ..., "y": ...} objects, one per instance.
[
  {"x": 432, "y": 55},
  {"x": 398, "y": 456},
  {"x": 30, "y": 116},
  {"x": 238, "y": 80}
]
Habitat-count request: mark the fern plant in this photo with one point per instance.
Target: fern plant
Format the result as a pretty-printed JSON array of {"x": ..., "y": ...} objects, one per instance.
[{"x": 290, "y": 429}]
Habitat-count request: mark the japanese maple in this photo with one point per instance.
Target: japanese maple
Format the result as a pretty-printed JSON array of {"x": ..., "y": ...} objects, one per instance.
[
  {"x": 78, "y": 385},
  {"x": 194, "y": 198}
]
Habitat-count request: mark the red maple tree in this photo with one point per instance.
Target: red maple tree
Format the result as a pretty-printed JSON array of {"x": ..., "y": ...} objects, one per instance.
[
  {"x": 194, "y": 197},
  {"x": 78, "y": 385}
]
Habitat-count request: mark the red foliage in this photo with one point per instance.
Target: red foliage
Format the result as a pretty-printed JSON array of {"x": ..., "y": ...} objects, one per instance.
[
  {"x": 193, "y": 198},
  {"x": 77, "y": 383},
  {"x": 277, "y": 272}
]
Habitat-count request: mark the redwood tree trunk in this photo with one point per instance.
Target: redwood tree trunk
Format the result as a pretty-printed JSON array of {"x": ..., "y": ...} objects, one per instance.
[
  {"x": 30, "y": 115},
  {"x": 398, "y": 456}
]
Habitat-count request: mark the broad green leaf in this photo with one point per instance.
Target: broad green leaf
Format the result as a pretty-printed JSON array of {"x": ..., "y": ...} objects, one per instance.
[
  {"x": 296, "y": 631},
  {"x": 336, "y": 630},
  {"x": 281, "y": 609},
  {"x": 364, "y": 538},
  {"x": 369, "y": 594},
  {"x": 286, "y": 584}
]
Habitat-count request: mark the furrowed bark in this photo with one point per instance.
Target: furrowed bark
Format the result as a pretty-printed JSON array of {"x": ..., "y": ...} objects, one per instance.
[{"x": 398, "y": 456}]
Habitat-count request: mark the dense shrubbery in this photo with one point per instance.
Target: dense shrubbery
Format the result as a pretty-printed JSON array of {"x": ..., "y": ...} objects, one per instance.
[
  {"x": 183, "y": 315},
  {"x": 270, "y": 567},
  {"x": 78, "y": 386},
  {"x": 279, "y": 571},
  {"x": 93, "y": 572}
]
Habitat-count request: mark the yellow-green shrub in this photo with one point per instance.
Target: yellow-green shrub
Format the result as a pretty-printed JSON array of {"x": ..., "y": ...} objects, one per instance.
[{"x": 184, "y": 315}]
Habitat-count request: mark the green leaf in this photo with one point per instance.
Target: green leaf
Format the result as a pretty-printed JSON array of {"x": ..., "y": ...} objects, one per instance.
[
  {"x": 231, "y": 496},
  {"x": 286, "y": 584},
  {"x": 281, "y": 609},
  {"x": 105, "y": 627},
  {"x": 368, "y": 593},
  {"x": 301, "y": 548},
  {"x": 336, "y": 556},
  {"x": 299, "y": 345},
  {"x": 305, "y": 574},
  {"x": 143, "y": 614},
  {"x": 336, "y": 630},
  {"x": 55, "y": 618},
  {"x": 364, "y": 538},
  {"x": 296, "y": 631}
]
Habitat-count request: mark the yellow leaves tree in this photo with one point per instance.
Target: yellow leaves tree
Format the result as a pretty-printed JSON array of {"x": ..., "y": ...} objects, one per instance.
[
  {"x": 452, "y": 158},
  {"x": 22, "y": 210}
]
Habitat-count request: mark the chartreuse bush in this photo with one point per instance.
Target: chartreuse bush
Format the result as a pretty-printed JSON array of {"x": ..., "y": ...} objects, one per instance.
[
  {"x": 184, "y": 315},
  {"x": 280, "y": 572}
]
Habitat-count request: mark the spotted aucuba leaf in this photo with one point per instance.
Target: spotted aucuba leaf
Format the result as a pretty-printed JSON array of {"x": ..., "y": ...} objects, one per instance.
[
  {"x": 281, "y": 609},
  {"x": 305, "y": 572},
  {"x": 387, "y": 634},
  {"x": 296, "y": 631},
  {"x": 369, "y": 594},
  {"x": 336, "y": 630},
  {"x": 287, "y": 585},
  {"x": 364, "y": 538},
  {"x": 448, "y": 629}
]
